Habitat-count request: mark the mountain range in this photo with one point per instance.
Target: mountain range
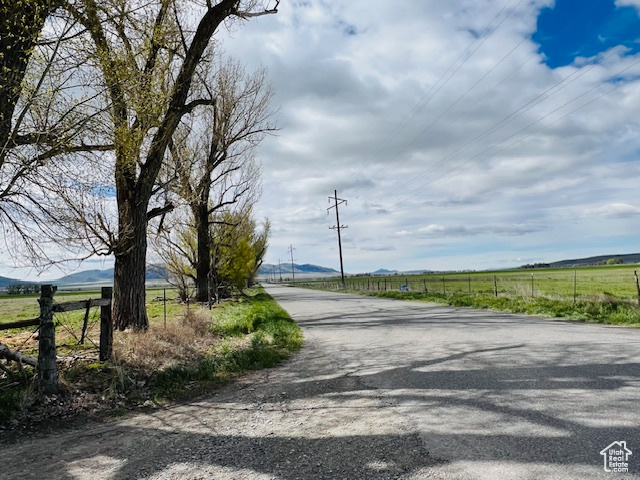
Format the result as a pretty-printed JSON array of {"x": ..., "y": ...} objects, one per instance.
[
  {"x": 285, "y": 269},
  {"x": 628, "y": 258},
  {"x": 156, "y": 272}
]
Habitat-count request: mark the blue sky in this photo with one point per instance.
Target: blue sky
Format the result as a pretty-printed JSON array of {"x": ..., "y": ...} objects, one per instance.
[
  {"x": 473, "y": 134},
  {"x": 578, "y": 28}
]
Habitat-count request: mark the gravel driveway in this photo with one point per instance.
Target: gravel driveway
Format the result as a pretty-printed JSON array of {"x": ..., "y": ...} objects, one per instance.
[{"x": 383, "y": 389}]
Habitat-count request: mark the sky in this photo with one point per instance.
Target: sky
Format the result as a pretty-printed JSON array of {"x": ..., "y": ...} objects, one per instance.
[{"x": 464, "y": 135}]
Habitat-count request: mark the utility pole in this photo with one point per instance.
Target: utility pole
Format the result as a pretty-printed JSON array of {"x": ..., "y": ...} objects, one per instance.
[
  {"x": 338, "y": 201},
  {"x": 293, "y": 272},
  {"x": 280, "y": 270}
]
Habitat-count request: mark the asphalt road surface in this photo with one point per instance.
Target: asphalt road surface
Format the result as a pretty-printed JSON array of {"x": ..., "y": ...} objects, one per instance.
[{"x": 385, "y": 389}]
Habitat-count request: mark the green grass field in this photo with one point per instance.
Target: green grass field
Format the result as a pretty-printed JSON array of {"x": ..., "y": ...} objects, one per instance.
[
  {"x": 586, "y": 283},
  {"x": 195, "y": 351},
  {"x": 592, "y": 294},
  {"x": 23, "y": 307}
]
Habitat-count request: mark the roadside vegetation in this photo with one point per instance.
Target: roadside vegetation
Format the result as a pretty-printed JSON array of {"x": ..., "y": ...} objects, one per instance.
[
  {"x": 599, "y": 309},
  {"x": 197, "y": 350},
  {"x": 600, "y": 294}
]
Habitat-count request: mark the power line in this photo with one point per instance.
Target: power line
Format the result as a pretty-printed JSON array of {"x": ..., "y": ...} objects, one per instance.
[
  {"x": 537, "y": 100},
  {"x": 549, "y": 92},
  {"x": 469, "y": 162},
  {"x": 428, "y": 96},
  {"x": 338, "y": 227}
]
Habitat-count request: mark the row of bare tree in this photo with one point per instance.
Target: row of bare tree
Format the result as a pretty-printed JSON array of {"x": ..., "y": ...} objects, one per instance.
[{"x": 118, "y": 119}]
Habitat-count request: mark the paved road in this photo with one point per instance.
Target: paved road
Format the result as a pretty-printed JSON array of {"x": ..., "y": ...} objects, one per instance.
[{"x": 384, "y": 389}]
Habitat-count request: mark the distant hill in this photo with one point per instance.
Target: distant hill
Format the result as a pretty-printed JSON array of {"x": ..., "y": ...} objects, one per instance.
[
  {"x": 5, "y": 281},
  {"x": 86, "y": 276},
  {"x": 384, "y": 271},
  {"x": 629, "y": 258},
  {"x": 154, "y": 272},
  {"x": 308, "y": 268},
  {"x": 285, "y": 268}
]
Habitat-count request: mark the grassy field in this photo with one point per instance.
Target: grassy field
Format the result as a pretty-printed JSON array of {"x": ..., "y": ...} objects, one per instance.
[
  {"x": 591, "y": 294},
  {"x": 22, "y": 307},
  {"x": 586, "y": 283}
]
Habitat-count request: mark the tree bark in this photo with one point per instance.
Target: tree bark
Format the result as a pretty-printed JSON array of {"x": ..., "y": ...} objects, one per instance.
[
  {"x": 203, "y": 261},
  {"x": 130, "y": 270}
]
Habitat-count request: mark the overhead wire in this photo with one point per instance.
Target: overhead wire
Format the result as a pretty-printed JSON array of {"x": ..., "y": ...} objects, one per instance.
[
  {"x": 447, "y": 176},
  {"x": 470, "y": 162},
  {"x": 537, "y": 100},
  {"x": 486, "y": 74},
  {"x": 484, "y": 35}
]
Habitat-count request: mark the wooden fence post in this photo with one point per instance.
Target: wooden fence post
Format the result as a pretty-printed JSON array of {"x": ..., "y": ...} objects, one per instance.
[
  {"x": 532, "y": 291},
  {"x": 635, "y": 274},
  {"x": 495, "y": 286},
  {"x": 47, "y": 369},
  {"x": 106, "y": 326}
]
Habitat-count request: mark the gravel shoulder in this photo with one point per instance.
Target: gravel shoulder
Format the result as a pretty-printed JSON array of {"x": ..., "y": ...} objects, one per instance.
[{"x": 281, "y": 423}]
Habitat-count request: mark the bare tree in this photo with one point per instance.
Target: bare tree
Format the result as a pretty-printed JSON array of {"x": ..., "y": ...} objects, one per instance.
[
  {"x": 148, "y": 55},
  {"x": 20, "y": 25},
  {"x": 212, "y": 161},
  {"x": 47, "y": 121}
]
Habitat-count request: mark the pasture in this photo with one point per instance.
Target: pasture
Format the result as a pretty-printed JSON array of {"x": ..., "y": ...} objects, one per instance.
[
  {"x": 564, "y": 283},
  {"x": 592, "y": 294},
  {"x": 22, "y": 307}
]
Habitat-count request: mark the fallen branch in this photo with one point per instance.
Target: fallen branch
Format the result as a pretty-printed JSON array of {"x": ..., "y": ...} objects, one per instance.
[{"x": 20, "y": 358}]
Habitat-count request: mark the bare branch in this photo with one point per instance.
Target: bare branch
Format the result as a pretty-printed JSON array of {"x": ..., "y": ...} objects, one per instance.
[
  {"x": 271, "y": 11},
  {"x": 156, "y": 212}
]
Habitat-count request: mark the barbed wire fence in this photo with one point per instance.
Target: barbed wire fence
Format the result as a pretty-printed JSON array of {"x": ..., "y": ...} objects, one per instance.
[{"x": 571, "y": 285}]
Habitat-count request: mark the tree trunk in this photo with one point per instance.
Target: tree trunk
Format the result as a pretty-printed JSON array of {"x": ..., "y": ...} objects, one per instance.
[
  {"x": 203, "y": 261},
  {"x": 20, "y": 25},
  {"x": 129, "y": 310}
]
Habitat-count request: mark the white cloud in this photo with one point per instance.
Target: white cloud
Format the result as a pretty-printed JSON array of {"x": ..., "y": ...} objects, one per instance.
[
  {"x": 628, "y": 3},
  {"x": 614, "y": 210},
  {"x": 428, "y": 141}
]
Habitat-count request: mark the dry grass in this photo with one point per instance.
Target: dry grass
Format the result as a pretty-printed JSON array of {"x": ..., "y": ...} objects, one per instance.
[{"x": 184, "y": 341}]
